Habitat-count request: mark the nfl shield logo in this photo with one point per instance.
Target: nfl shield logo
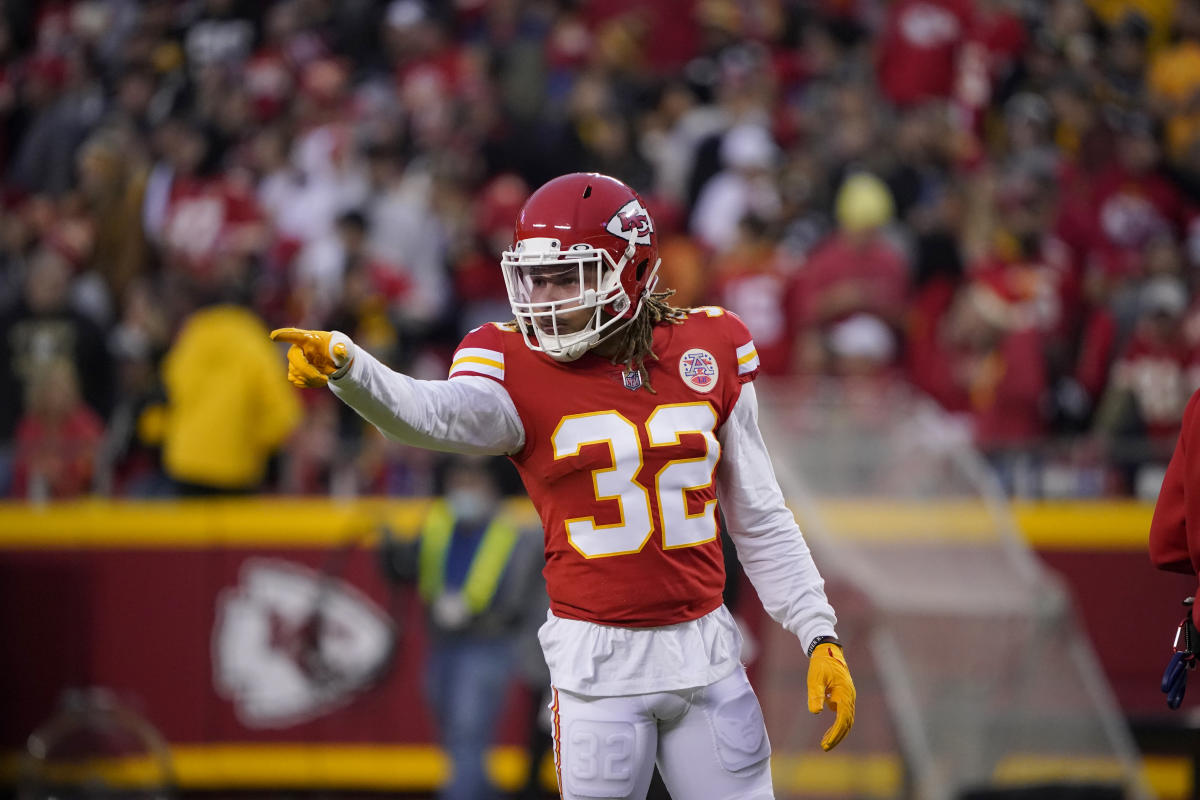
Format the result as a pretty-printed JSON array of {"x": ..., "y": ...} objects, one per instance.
[
  {"x": 698, "y": 368},
  {"x": 633, "y": 379}
]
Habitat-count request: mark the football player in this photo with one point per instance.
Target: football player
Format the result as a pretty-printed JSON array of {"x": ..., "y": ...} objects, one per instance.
[{"x": 628, "y": 419}]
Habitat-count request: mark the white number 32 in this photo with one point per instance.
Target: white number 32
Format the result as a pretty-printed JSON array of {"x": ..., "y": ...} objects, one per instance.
[{"x": 677, "y": 477}]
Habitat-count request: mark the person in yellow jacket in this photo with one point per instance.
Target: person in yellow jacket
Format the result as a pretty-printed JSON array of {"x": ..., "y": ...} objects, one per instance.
[{"x": 227, "y": 410}]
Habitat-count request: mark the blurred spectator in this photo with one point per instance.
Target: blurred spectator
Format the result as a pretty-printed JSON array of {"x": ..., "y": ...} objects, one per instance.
[
  {"x": 383, "y": 467},
  {"x": 1020, "y": 254},
  {"x": 1174, "y": 81},
  {"x": 1148, "y": 388},
  {"x": 756, "y": 281},
  {"x": 64, "y": 100},
  {"x": 1030, "y": 149},
  {"x": 9, "y": 108},
  {"x": 327, "y": 175},
  {"x": 479, "y": 575},
  {"x": 217, "y": 36},
  {"x": 919, "y": 175},
  {"x": 226, "y": 411},
  {"x": 41, "y": 328},
  {"x": 322, "y": 268},
  {"x": 670, "y": 137},
  {"x": 57, "y": 438},
  {"x": 684, "y": 269},
  {"x": 804, "y": 218},
  {"x": 199, "y": 217},
  {"x": 316, "y": 460},
  {"x": 478, "y": 284},
  {"x": 984, "y": 361},
  {"x": 919, "y": 47},
  {"x": 856, "y": 269},
  {"x": 366, "y": 291},
  {"x": 1122, "y": 74},
  {"x": 404, "y": 234},
  {"x": 1133, "y": 201},
  {"x": 863, "y": 347},
  {"x": 988, "y": 59},
  {"x": 1154, "y": 15},
  {"x": 112, "y": 182},
  {"x": 138, "y": 341},
  {"x": 744, "y": 186}
]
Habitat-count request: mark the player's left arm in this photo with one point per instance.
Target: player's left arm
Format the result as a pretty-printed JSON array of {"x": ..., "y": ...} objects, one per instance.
[{"x": 777, "y": 560}]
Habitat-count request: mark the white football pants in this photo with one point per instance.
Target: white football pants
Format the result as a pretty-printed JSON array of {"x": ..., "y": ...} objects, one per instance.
[{"x": 710, "y": 743}]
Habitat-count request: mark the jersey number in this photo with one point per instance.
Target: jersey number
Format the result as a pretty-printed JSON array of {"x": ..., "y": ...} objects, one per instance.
[{"x": 672, "y": 483}]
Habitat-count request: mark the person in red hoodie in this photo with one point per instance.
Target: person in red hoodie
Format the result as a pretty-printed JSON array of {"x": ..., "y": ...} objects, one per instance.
[{"x": 57, "y": 439}]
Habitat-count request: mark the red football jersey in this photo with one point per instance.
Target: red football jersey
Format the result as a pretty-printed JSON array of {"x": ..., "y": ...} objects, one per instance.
[{"x": 623, "y": 479}]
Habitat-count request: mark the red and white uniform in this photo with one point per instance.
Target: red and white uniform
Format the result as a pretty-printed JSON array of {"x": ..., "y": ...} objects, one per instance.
[
  {"x": 625, "y": 487},
  {"x": 627, "y": 484}
]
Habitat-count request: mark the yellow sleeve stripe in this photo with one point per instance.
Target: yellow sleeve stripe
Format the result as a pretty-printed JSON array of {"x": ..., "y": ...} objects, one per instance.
[
  {"x": 480, "y": 360},
  {"x": 747, "y": 358},
  {"x": 476, "y": 360},
  {"x": 479, "y": 366}
]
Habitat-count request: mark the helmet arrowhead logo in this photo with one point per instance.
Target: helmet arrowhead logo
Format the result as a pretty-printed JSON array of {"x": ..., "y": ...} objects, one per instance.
[{"x": 631, "y": 223}]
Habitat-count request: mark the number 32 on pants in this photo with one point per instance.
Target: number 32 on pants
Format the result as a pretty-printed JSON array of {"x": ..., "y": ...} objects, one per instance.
[{"x": 678, "y": 476}]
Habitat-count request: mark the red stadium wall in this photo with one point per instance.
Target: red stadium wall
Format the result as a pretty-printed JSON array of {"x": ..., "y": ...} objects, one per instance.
[{"x": 129, "y": 597}]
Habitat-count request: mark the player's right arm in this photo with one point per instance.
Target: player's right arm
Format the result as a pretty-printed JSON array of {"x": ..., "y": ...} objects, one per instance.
[{"x": 470, "y": 414}]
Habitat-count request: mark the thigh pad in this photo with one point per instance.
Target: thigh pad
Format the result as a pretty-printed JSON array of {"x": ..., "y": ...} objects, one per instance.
[{"x": 740, "y": 732}]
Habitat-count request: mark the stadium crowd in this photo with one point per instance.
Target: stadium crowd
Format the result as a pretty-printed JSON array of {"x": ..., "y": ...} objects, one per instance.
[{"x": 996, "y": 200}]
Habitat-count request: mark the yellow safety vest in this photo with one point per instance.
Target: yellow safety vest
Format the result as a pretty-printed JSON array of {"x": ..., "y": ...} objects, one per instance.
[{"x": 487, "y": 565}]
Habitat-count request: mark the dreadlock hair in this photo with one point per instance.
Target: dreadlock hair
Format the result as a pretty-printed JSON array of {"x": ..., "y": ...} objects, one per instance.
[{"x": 637, "y": 339}]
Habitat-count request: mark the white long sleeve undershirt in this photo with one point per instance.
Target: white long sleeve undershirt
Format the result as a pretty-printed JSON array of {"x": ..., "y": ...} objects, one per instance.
[
  {"x": 471, "y": 414},
  {"x": 764, "y": 531}
]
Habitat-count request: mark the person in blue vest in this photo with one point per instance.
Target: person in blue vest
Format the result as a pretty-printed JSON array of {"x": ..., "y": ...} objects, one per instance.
[{"x": 479, "y": 578}]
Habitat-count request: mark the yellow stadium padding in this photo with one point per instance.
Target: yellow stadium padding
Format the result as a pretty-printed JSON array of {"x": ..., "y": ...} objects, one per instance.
[
  {"x": 308, "y": 523},
  {"x": 413, "y": 768}
]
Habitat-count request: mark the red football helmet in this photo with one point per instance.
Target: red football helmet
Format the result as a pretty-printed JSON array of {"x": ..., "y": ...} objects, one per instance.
[{"x": 591, "y": 232}]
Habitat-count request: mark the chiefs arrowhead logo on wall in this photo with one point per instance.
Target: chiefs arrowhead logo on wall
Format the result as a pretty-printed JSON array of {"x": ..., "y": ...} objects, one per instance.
[
  {"x": 632, "y": 223},
  {"x": 290, "y": 644}
]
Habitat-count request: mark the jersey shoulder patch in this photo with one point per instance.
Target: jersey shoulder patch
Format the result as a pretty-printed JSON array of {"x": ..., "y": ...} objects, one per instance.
[
  {"x": 481, "y": 352},
  {"x": 730, "y": 329}
]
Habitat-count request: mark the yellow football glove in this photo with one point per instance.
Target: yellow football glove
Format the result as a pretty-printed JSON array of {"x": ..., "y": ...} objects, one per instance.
[
  {"x": 829, "y": 677},
  {"x": 313, "y": 356}
]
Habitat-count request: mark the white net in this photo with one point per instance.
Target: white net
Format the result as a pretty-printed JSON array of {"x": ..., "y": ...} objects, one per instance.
[{"x": 974, "y": 677}]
